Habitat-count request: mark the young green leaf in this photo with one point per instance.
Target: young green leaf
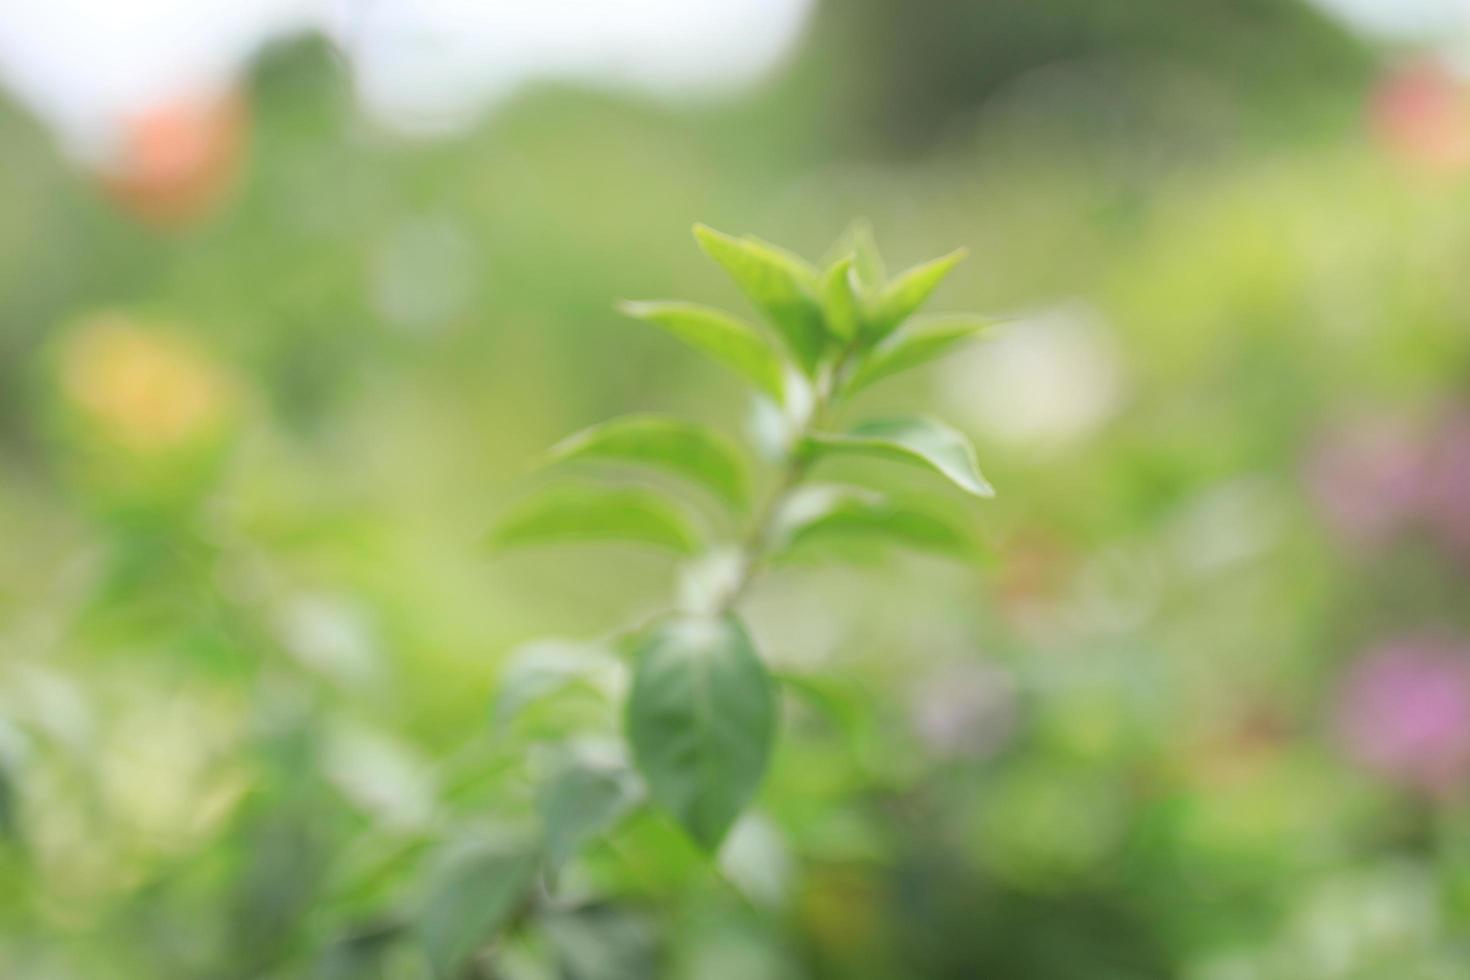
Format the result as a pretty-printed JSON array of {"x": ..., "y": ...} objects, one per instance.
[
  {"x": 701, "y": 719},
  {"x": 839, "y": 301},
  {"x": 843, "y": 513},
  {"x": 780, "y": 285},
  {"x": 912, "y": 439},
  {"x": 913, "y": 345},
  {"x": 474, "y": 891},
  {"x": 905, "y": 294},
  {"x": 729, "y": 340},
  {"x": 579, "y": 803},
  {"x": 595, "y": 514},
  {"x": 544, "y": 667},
  {"x": 858, "y": 242},
  {"x": 691, "y": 450}
]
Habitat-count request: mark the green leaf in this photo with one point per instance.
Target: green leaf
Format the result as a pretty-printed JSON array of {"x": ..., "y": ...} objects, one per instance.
[
  {"x": 905, "y": 294},
  {"x": 780, "y": 285},
  {"x": 827, "y": 513},
  {"x": 9, "y": 808},
  {"x": 839, "y": 300},
  {"x": 858, "y": 242},
  {"x": 701, "y": 719},
  {"x": 580, "y": 802},
  {"x": 689, "y": 449},
  {"x": 359, "y": 954},
  {"x": 597, "y": 514},
  {"x": 914, "y": 345},
  {"x": 729, "y": 340},
  {"x": 757, "y": 861},
  {"x": 543, "y": 667},
  {"x": 474, "y": 890},
  {"x": 913, "y": 439},
  {"x": 603, "y": 942}
]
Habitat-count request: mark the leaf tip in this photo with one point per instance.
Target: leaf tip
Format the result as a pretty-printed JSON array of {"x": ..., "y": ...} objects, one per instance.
[
  {"x": 706, "y": 236},
  {"x": 949, "y": 260}
]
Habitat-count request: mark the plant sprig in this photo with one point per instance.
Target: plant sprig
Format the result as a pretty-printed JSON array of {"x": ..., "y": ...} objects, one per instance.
[{"x": 700, "y": 713}]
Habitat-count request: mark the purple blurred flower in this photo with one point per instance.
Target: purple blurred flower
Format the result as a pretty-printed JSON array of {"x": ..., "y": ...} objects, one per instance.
[
  {"x": 1404, "y": 713},
  {"x": 1367, "y": 480},
  {"x": 964, "y": 709}
]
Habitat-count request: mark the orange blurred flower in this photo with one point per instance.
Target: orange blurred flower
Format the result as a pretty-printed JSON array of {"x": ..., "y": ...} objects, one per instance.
[
  {"x": 179, "y": 159},
  {"x": 1421, "y": 114}
]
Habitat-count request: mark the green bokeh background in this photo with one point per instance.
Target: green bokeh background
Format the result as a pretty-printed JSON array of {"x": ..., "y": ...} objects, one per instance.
[{"x": 245, "y": 684}]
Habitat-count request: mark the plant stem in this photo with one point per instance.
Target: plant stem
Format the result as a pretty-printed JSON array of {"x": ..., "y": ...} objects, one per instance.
[{"x": 754, "y": 549}]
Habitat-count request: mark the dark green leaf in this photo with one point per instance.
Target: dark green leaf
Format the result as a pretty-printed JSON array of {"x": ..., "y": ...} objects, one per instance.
[
  {"x": 731, "y": 341},
  {"x": 691, "y": 450},
  {"x": 914, "y": 345},
  {"x": 474, "y": 891},
  {"x": 358, "y": 956},
  {"x": 701, "y": 719},
  {"x": 582, "y": 800},
  {"x": 905, "y": 294},
  {"x": 914, "y": 439},
  {"x": 780, "y": 285},
  {"x": 595, "y": 514},
  {"x": 9, "y": 807}
]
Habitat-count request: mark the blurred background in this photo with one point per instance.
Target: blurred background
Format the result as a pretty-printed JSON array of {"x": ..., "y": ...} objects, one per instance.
[{"x": 292, "y": 292}]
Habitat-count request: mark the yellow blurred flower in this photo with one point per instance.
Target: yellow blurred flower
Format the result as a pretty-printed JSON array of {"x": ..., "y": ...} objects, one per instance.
[{"x": 146, "y": 389}]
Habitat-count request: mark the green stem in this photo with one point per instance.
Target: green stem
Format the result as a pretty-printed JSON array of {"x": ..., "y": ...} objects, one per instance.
[{"x": 755, "y": 549}]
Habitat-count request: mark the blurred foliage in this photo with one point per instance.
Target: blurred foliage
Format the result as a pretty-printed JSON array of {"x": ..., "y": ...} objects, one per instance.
[
  {"x": 249, "y": 634},
  {"x": 918, "y": 66}
]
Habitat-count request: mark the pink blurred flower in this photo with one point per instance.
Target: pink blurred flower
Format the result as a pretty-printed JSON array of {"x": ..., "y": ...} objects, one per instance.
[
  {"x": 1367, "y": 479},
  {"x": 1446, "y": 483},
  {"x": 1404, "y": 713}
]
